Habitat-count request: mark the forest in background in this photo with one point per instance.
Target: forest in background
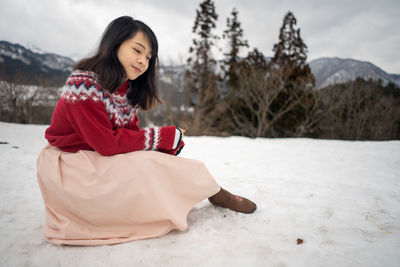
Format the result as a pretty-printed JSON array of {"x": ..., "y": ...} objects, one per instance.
[
  {"x": 245, "y": 95},
  {"x": 250, "y": 96}
]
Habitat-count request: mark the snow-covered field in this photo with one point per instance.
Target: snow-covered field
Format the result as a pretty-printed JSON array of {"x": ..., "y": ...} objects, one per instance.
[{"x": 342, "y": 198}]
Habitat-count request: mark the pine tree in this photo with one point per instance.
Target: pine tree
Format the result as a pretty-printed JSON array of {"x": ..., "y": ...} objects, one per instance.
[
  {"x": 200, "y": 78},
  {"x": 290, "y": 58},
  {"x": 254, "y": 59},
  {"x": 290, "y": 49},
  {"x": 234, "y": 35}
]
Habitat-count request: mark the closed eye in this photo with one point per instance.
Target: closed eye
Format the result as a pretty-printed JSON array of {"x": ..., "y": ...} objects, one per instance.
[{"x": 139, "y": 52}]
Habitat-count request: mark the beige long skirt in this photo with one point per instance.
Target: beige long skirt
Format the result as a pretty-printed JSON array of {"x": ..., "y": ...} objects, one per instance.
[{"x": 90, "y": 199}]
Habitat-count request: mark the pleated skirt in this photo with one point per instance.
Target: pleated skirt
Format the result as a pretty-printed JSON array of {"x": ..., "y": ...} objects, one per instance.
[{"x": 91, "y": 199}]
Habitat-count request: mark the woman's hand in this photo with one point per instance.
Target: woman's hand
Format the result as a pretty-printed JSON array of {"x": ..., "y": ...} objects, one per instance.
[{"x": 182, "y": 131}]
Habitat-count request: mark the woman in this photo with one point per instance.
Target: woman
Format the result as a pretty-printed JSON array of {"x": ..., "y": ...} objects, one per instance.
[{"x": 102, "y": 177}]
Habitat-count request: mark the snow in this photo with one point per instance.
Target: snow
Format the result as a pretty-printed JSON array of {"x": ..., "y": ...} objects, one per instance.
[
  {"x": 15, "y": 54},
  {"x": 57, "y": 62},
  {"x": 329, "y": 71},
  {"x": 32, "y": 53},
  {"x": 34, "y": 48},
  {"x": 342, "y": 198}
]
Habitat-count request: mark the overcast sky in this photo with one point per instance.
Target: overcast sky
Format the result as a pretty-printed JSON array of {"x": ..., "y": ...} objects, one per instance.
[{"x": 360, "y": 29}]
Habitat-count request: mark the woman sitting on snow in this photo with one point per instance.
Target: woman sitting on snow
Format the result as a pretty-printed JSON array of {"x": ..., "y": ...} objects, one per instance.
[{"x": 102, "y": 177}]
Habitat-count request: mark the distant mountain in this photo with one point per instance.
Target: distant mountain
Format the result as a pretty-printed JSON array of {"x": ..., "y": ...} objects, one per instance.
[
  {"x": 396, "y": 78},
  {"x": 329, "y": 71},
  {"x": 326, "y": 71},
  {"x": 34, "y": 66},
  {"x": 22, "y": 65}
]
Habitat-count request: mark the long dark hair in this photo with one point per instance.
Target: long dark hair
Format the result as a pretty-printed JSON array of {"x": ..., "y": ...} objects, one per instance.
[{"x": 110, "y": 72}]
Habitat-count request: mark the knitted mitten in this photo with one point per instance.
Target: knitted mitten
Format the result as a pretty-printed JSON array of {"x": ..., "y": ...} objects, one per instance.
[
  {"x": 175, "y": 151},
  {"x": 227, "y": 200}
]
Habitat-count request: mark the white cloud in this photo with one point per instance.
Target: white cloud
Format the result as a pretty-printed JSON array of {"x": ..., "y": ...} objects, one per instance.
[{"x": 365, "y": 30}]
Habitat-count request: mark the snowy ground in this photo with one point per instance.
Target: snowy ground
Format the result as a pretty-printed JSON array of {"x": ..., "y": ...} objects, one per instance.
[{"x": 341, "y": 198}]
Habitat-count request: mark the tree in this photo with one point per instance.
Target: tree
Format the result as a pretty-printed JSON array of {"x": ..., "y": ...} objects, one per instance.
[
  {"x": 250, "y": 107},
  {"x": 234, "y": 35},
  {"x": 247, "y": 102},
  {"x": 360, "y": 110},
  {"x": 21, "y": 103},
  {"x": 290, "y": 55},
  {"x": 290, "y": 49},
  {"x": 24, "y": 103},
  {"x": 200, "y": 79}
]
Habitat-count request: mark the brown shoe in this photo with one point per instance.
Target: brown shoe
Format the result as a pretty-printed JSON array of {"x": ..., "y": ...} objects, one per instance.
[{"x": 227, "y": 200}]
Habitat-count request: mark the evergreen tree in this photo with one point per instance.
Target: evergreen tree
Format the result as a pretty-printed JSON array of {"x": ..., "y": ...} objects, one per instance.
[
  {"x": 200, "y": 78},
  {"x": 290, "y": 55},
  {"x": 234, "y": 35},
  {"x": 290, "y": 49},
  {"x": 254, "y": 59}
]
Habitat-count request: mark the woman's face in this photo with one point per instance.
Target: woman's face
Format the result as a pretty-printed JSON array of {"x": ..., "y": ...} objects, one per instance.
[{"x": 134, "y": 55}]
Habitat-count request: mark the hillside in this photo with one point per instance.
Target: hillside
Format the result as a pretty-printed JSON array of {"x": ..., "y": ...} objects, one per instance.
[
  {"x": 329, "y": 71},
  {"x": 24, "y": 66}
]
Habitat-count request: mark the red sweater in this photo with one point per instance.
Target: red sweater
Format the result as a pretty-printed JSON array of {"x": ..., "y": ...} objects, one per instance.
[{"x": 87, "y": 117}]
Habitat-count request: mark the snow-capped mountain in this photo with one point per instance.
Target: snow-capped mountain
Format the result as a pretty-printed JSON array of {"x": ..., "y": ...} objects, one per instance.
[
  {"x": 38, "y": 65},
  {"x": 329, "y": 71},
  {"x": 75, "y": 56},
  {"x": 34, "y": 48},
  {"x": 20, "y": 64}
]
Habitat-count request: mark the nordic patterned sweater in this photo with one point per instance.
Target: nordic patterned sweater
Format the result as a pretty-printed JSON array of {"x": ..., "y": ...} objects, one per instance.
[{"x": 87, "y": 117}]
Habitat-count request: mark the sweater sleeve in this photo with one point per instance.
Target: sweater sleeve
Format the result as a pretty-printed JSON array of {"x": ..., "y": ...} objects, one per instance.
[{"x": 90, "y": 121}]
